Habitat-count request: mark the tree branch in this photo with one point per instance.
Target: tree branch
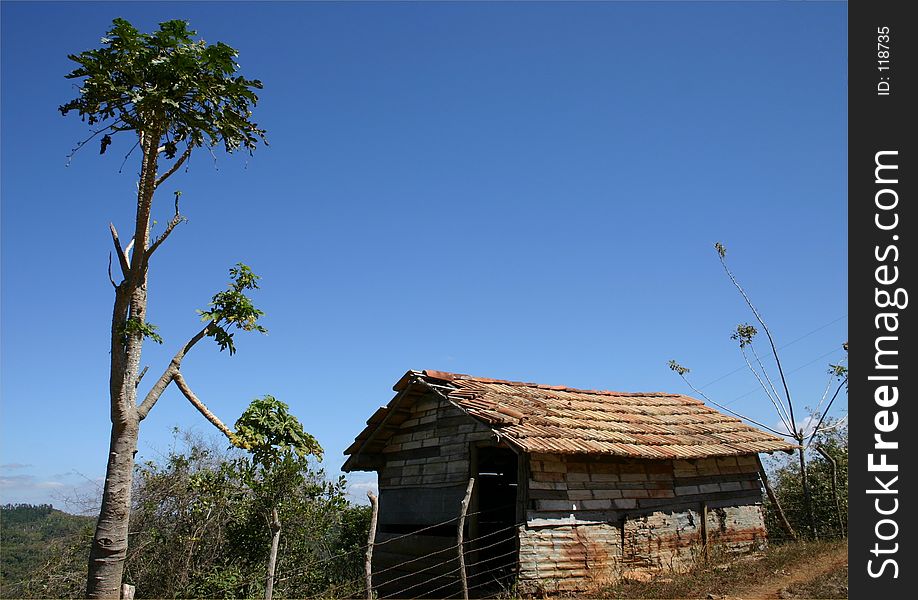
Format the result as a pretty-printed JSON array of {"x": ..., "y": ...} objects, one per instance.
[
  {"x": 758, "y": 317},
  {"x": 734, "y": 413},
  {"x": 110, "y": 278},
  {"x": 774, "y": 401},
  {"x": 162, "y": 238},
  {"x": 826, "y": 411},
  {"x": 79, "y": 146},
  {"x": 170, "y": 373},
  {"x": 175, "y": 167},
  {"x": 140, "y": 377},
  {"x": 122, "y": 254},
  {"x": 767, "y": 377},
  {"x": 186, "y": 391}
]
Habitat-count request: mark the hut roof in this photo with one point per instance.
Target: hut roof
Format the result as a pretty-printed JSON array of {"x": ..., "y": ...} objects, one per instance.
[{"x": 563, "y": 420}]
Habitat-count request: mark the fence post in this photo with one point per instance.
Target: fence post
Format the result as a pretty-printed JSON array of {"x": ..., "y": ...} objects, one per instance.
[
  {"x": 464, "y": 509},
  {"x": 704, "y": 531},
  {"x": 127, "y": 591},
  {"x": 774, "y": 500},
  {"x": 834, "y": 465},
  {"x": 371, "y": 540}
]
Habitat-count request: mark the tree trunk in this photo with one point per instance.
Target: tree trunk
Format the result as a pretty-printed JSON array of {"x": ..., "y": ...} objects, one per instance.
[
  {"x": 109, "y": 544},
  {"x": 774, "y": 500},
  {"x": 807, "y": 497},
  {"x": 110, "y": 541},
  {"x": 272, "y": 557}
]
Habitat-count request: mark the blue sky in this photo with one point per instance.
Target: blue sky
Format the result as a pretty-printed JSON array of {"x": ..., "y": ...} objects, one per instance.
[{"x": 525, "y": 191}]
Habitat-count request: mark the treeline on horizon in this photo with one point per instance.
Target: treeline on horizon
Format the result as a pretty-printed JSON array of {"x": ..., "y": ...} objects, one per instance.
[
  {"x": 30, "y": 534},
  {"x": 197, "y": 530}
]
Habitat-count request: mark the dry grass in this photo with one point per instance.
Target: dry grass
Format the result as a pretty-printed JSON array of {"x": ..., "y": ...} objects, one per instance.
[{"x": 789, "y": 562}]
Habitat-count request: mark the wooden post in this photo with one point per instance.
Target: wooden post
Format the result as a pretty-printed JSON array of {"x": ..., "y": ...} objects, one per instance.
[
  {"x": 127, "y": 591},
  {"x": 371, "y": 540},
  {"x": 464, "y": 509},
  {"x": 704, "y": 531},
  {"x": 774, "y": 500},
  {"x": 834, "y": 465}
]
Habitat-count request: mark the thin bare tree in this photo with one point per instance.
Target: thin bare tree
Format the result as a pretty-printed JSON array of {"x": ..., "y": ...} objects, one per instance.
[{"x": 779, "y": 395}]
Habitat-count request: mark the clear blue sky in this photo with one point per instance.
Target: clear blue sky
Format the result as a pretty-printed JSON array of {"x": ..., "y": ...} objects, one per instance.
[{"x": 520, "y": 191}]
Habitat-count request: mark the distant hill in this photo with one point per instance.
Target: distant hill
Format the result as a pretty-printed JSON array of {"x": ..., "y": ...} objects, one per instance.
[{"x": 28, "y": 536}]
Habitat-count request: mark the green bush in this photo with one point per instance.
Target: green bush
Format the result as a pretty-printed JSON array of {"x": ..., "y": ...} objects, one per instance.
[{"x": 785, "y": 479}]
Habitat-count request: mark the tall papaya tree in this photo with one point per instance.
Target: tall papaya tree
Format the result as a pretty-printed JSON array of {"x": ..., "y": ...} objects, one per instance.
[{"x": 169, "y": 94}]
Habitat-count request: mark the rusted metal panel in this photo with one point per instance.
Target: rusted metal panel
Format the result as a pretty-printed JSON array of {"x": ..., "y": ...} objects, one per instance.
[
  {"x": 569, "y": 557},
  {"x": 581, "y": 556}
]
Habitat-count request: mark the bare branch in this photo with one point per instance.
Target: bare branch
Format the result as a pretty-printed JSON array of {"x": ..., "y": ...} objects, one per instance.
[
  {"x": 162, "y": 238},
  {"x": 826, "y": 411},
  {"x": 782, "y": 414},
  {"x": 169, "y": 374},
  {"x": 843, "y": 422},
  {"x": 110, "y": 278},
  {"x": 122, "y": 254},
  {"x": 126, "y": 156},
  {"x": 186, "y": 391},
  {"x": 140, "y": 377},
  {"x": 734, "y": 413},
  {"x": 831, "y": 375},
  {"x": 175, "y": 167},
  {"x": 79, "y": 146},
  {"x": 767, "y": 377},
  {"x": 774, "y": 350}
]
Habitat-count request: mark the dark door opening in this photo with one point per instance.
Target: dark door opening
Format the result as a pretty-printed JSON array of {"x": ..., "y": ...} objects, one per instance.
[{"x": 494, "y": 553}]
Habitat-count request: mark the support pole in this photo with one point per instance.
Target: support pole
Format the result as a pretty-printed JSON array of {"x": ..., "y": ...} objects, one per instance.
[
  {"x": 464, "y": 509},
  {"x": 704, "y": 531},
  {"x": 834, "y": 465},
  {"x": 774, "y": 500},
  {"x": 371, "y": 540}
]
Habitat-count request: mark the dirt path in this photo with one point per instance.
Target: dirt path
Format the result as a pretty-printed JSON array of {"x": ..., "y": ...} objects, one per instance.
[{"x": 802, "y": 573}]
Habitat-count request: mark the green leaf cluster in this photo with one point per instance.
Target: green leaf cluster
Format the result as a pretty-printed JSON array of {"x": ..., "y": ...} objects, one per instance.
[
  {"x": 232, "y": 308},
  {"x": 744, "y": 334},
  {"x": 169, "y": 83},
  {"x": 135, "y": 327},
  {"x": 674, "y": 366},
  {"x": 786, "y": 482},
  {"x": 269, "y": 431}
]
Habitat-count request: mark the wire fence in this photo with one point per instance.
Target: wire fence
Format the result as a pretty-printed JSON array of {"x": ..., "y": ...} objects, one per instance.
[
  {"x": 427, "y": 574},
  {"x": 474, "y": 570}
]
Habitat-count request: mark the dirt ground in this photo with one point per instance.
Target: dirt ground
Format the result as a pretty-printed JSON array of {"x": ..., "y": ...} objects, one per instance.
[
  {"x": 800, "y": 580},
  {"x": 795, "y": 570}
]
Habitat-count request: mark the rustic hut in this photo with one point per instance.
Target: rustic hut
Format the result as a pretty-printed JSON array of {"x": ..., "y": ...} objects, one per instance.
[{"x": 573, "y": 487}]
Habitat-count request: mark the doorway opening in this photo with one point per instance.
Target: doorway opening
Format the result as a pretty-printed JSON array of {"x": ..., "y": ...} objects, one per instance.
[{"x": 494, "y": 552}]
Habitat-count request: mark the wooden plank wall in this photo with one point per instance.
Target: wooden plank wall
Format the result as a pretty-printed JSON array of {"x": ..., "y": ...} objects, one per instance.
[{"x": 426, "y": 471}]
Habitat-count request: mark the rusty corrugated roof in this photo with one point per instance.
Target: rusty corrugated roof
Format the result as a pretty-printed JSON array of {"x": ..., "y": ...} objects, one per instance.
[{"x": 559, "y": 419}]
